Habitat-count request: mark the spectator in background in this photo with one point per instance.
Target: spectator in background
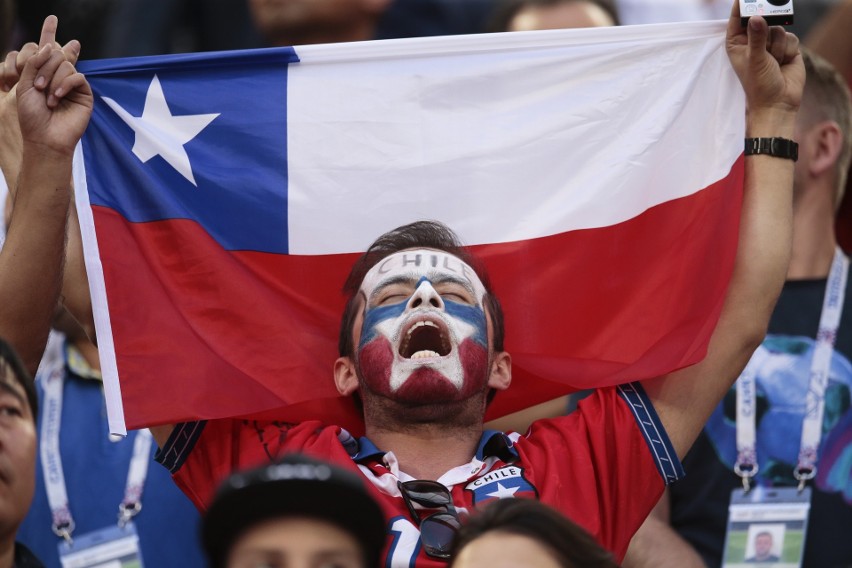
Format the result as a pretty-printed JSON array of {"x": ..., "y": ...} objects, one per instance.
[
  {"x": 688, "y": 526},
  {"x": 122, "y": 28},
  {"x": 831, "y": 39},
  {"x": 295, "y": 512},
  {"x": 299, "y": 22},
  {"x": 7, "y": 22},
  {"x": 523, "y": 532},
  {"x": 524, "y": 15},
  {"x": 18, "y": 439}
]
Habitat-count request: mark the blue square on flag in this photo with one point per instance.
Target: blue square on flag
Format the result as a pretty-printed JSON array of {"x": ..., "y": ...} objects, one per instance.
[{"x": 198, "y": 142}]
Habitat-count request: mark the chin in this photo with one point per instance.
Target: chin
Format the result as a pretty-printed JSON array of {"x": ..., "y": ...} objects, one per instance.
[{"x": 427, "y": 386}]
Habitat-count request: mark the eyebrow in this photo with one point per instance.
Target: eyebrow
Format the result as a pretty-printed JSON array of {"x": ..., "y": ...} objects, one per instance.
[
  {"x": 7, "y": 388},
  {"x": 434, "y": 278}
]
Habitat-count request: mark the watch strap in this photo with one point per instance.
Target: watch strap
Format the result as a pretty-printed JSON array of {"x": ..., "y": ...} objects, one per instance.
[{"x": 778, "y": 147}]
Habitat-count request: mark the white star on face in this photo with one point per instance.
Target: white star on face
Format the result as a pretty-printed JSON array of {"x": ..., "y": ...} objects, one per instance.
[
  {"x": 503, "y": 492},
  {"x": 159, "y": 133}
]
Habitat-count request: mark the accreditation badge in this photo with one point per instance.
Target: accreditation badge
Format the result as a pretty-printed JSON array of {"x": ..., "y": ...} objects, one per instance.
[
  {"x": 767, "y": 527},
  {"x": 111, "y": 547}
]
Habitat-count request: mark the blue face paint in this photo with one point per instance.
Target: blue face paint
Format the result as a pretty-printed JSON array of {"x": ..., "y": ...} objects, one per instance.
[
  {"x": 374, "y": 316},
  {"x": 472, "y": 315}
]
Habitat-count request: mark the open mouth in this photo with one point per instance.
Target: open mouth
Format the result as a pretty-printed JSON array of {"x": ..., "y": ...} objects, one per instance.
[{"x": 424, "y": 339}]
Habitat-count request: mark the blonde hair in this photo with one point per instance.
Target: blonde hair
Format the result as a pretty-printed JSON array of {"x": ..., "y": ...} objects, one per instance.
[{"x": 826, "y": 97}]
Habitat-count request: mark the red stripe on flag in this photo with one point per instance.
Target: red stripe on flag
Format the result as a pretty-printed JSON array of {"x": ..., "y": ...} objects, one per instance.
[{"x": 205, "y": 333}]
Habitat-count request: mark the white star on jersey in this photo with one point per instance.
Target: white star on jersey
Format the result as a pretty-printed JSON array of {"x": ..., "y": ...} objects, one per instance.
[
  {"x": 159, "y": 133},
  {"x": 503, "y": 492}
]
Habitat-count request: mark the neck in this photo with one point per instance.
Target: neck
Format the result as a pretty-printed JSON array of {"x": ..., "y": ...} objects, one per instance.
[
  {"x": 814, "y": 241},
  {"x": 7, "y": 551},
  {"x": 89, "y": 352},
  {"x": 427, "y": 440},
  {"x": 428, "y": 451}
]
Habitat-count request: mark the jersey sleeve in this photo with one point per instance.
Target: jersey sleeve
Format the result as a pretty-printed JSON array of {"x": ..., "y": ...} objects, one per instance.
[
  {"x": 200, "y": 455},
  {"x": 605, "y": 465}
]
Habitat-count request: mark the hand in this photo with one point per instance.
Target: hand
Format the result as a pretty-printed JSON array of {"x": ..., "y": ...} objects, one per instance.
[
  {"x": 54, "y": 100},
  {"x": 767, "y": 62},
  {"x": 11, "y": 68}
]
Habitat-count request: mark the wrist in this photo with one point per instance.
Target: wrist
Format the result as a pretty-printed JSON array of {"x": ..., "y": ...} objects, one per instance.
[
  {"x": 770, "y": 122},
  {"x": 772, "y": 146}
]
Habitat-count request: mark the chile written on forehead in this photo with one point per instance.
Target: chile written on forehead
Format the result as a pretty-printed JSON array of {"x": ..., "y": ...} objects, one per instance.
[
  {"x": 424, "y": 318},
  {"x": 416, "y": 263}
]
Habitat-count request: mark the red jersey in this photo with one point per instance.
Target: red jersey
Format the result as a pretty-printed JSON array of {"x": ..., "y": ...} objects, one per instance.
[{"x": 604, "y": 466}]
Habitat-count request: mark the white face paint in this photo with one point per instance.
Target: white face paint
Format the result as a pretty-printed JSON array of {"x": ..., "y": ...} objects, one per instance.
[{"x": 424, "y": 334}]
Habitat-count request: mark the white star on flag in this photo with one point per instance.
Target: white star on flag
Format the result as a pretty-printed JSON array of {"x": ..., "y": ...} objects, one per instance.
[
  {"x": 159, "y": 133},
  {"x": 503, "y": 492}
]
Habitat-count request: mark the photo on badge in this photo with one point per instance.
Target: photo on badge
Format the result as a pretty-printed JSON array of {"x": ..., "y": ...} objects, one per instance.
[{"x": 766, "y": 527}]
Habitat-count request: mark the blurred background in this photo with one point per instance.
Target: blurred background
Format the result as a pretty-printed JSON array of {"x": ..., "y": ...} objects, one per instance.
[{"x": 119, "y": 28}]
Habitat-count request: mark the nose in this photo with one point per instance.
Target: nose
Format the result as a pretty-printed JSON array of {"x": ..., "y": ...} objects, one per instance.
[{"x": 425, "y": 296}]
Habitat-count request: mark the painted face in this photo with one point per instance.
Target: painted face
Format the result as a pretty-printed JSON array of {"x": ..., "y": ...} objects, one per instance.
[{"x": 424, "y": 336}]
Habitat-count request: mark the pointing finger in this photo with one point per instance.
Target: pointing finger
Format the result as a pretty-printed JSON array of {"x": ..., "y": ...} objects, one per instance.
[{"x": 48, "y": 31}]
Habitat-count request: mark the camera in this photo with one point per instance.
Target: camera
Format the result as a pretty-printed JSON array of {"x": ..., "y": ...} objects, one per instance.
[{"x": 775, "y": 12}]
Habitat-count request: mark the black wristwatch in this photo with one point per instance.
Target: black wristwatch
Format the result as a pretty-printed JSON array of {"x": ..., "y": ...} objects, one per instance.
[{"x": 778, "y": 147}]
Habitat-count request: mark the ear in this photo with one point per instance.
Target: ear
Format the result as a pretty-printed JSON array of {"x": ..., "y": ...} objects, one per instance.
[
  {"x": 500, "y": 376},
  {"x": 345, "y": 377},
  {"x": 827, "y": 140}
]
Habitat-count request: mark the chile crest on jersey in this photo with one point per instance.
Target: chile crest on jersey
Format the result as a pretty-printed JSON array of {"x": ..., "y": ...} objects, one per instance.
[{"x": 505, "y": 482}]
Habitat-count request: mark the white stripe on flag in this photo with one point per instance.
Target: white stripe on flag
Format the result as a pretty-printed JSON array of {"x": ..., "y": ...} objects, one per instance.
[{"x": 539, "y": 132}]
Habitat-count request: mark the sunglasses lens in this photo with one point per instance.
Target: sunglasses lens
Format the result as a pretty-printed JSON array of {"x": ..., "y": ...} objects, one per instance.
[
  {"x": 427, "y": 493},
  {"x": 436, "y": 534}
]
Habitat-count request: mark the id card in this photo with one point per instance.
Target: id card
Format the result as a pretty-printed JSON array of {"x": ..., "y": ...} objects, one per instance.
[
  {"x": 767, "y": 527},
  {"x": 111, "y": 547}
]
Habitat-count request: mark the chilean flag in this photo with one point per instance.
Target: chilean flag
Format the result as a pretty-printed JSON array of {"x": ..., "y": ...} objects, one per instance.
[{"x": 224, "y": 196}]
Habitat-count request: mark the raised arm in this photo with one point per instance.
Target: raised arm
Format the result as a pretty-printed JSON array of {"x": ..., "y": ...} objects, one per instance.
[
  {"x": 53, "y": 104},
  {"x": 770, "y": 68}
]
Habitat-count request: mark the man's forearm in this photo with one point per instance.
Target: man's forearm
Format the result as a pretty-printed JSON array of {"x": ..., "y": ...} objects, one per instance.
[
  {"x": 32, "y": 256},
  {"x": 657, "y": 545}
]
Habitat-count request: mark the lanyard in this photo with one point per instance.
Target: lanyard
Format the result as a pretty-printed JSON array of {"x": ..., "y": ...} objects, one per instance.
[
  {"x": 832, "y": 307},
  {"x": 51, "y": 461}
]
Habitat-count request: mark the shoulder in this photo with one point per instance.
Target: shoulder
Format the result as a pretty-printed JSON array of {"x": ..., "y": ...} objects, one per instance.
[{"x": 24, "y": 558}]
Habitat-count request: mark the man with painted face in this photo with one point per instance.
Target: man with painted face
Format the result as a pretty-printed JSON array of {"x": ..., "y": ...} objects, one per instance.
[{"x": 422, "y": 346}]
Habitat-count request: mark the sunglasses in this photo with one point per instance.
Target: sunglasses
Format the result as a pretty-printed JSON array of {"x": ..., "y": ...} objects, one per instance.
[{"x": 438, "y": 529}]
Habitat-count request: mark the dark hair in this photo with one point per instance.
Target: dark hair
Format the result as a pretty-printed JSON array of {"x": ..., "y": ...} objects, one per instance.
[
  {"x": 8, "y": 357},
  {"x": 420, "y": 234},
  {"x": 506, "y": 10},
  {"x": 570, "y": 545}
]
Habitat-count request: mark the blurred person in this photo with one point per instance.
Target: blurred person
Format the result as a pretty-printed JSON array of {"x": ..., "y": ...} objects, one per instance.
[
  {"x": 688, "y": 526},
  {"x": 523, "y": 532},
  {"x": 7, "y": 22},
  {"x": 830, "y": 38},
  {"x": 87, "y": 465},
  {"x": 297, "y": 512},
  {"x": 524, "y": 15},
  {"x": 19, "y": 408},
  {"x": 300, "y": 22}
]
